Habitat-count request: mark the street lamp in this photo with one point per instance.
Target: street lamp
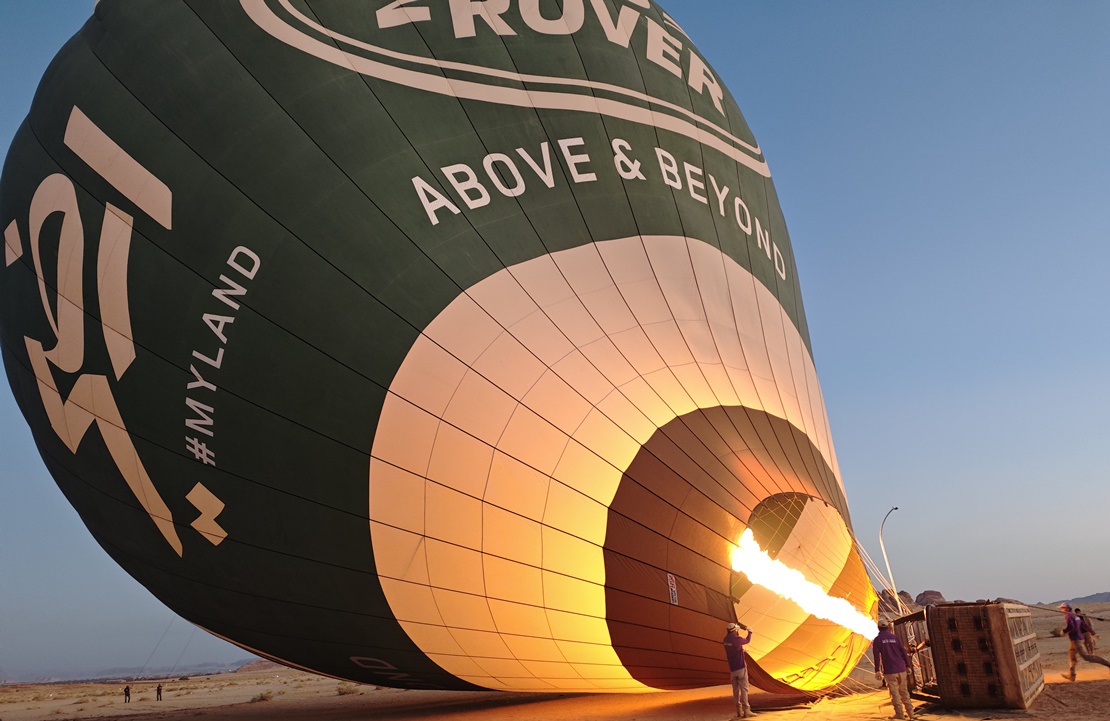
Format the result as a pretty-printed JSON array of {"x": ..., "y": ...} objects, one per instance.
[{"x": 889, "y": 573}]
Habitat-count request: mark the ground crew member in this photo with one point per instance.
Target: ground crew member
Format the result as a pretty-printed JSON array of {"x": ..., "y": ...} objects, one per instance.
[
  {"x": 1089, "y": 635},
  {"x": 1073, "y": 629},
  {"x": 734, "y": 649},
  {"x": 891, "y": 663}
]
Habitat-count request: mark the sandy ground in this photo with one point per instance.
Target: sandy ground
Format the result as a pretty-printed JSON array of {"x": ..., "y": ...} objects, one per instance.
[{"x": 295, "y": 696}]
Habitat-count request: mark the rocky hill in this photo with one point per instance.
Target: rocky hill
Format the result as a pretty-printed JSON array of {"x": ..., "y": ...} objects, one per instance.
[{"x": 259, "y": 665}]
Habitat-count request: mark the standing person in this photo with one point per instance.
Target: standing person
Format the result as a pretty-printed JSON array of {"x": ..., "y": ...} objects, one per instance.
[
  {"x": 158, "y": 692},
  {"x": 734, "y": 650},
  {"x": 892, "y": 662},
  {"x": 1088, "y": 630},
  {"x": 127, "y": 694},
  {"x": 1073, "y": 628}
]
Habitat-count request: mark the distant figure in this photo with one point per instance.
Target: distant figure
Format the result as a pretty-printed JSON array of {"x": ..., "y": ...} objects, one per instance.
[
  {"x": 1088, "y": 630},
  {"x": 1073, "y": 628},
  {"x": 892, "y": 662},
  {"x": 127, "y": 694},
  {"x": 158, "y": 693},
  {"x": 734, "y": 649}
]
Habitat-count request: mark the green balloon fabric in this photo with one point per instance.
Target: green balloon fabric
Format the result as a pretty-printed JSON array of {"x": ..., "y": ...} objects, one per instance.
[{"x": 424, "y": 344}]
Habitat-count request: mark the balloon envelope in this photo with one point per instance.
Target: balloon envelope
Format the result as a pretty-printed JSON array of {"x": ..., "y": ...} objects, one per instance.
[{"x": 440, "y": 345}]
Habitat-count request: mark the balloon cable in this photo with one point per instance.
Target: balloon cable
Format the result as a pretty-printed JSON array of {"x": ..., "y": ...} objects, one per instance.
[{"x": 167, "y": 630}]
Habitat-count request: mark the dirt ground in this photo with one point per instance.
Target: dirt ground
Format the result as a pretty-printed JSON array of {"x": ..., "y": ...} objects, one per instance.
[{"x": 289, "y": 695}]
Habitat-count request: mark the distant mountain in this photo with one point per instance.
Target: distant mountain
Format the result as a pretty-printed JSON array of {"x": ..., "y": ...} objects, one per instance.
[
  {"x": 197, "y": 669},
  {"x": 120, "y": 673},
  {"x": 1103, "y": 597}
]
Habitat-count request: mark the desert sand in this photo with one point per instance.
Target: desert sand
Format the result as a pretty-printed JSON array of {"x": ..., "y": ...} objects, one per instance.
[{"x": 289, "y": 695}]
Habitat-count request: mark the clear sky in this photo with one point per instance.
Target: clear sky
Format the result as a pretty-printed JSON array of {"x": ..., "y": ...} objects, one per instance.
[{"x": 944, "y": 169}]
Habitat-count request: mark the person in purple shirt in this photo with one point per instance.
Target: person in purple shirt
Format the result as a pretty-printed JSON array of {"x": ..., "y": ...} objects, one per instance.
[
  {"x": 1073, "y": 629},
  {"x": 891, "y": 663},
  {"x": 1089, "y": 635},
  {"x": 734, "y": 650}
]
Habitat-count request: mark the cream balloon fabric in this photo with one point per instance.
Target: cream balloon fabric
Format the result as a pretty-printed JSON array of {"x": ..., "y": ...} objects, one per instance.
[{"x": 508, "y": 428}]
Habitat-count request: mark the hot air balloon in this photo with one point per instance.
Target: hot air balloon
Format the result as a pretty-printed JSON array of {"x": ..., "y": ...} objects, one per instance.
[{"x": 431, "y": 345}]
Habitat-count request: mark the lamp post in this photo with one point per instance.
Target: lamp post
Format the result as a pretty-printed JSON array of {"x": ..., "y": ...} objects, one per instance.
[{"x": 889, "y": 573}]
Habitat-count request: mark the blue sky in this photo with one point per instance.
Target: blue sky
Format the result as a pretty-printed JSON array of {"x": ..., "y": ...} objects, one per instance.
[{"x": 944, "y": 169}]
